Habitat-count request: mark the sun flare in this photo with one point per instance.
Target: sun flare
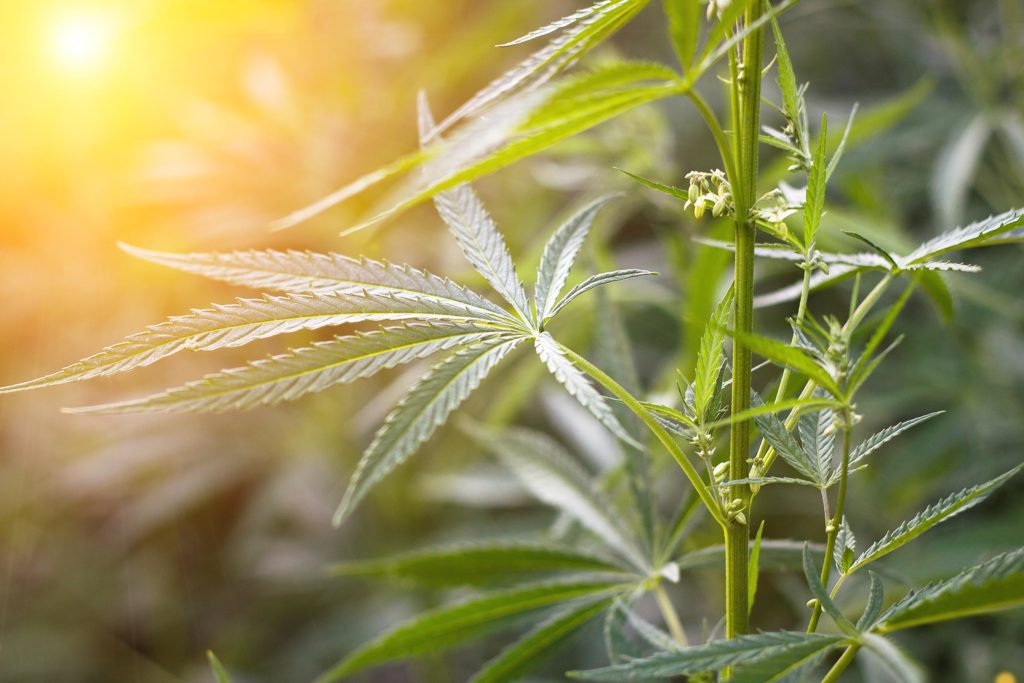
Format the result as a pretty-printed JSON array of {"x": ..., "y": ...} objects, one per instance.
[{"x": 80, "y": 43}]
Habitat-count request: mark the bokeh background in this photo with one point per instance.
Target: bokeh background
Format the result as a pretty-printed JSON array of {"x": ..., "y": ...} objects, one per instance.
[{"x": 128, "y": 546}]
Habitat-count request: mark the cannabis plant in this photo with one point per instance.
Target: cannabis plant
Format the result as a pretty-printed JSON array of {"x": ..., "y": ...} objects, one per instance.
[{"x": 795, "y": 428}]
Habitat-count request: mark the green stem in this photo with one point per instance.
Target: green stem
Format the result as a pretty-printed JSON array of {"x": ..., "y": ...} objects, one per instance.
[
  {"x": 668, "y": 612},
  {"x": 746, "y": 71},
  {"x": 651, "y": 423},
  {"x": 835, "y": 523},
  {"x": 841, "y": 664}
]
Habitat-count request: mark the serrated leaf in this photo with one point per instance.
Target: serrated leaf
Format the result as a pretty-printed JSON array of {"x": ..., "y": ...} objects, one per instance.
[
  {"x": 814, "y": 204},
  {"x": 530, "y": 125},
  {"x": 247, "y": 320},
  {"x": 746, "y": 650},
  {"x": 781, "y": 667},
  {"x": 778, "y": 437},
  {"x": 479, "y": 564},
  {"x": 582, "y": 35},
  {"x": 553, "y": 477},
  {"x": 301, "y": 272},
  {"x": 876, "y": 599},
  {"x": 564, "y": 22},
  {"x": 845, "y": 548},
  {"x": 578, "y": 386},
  {"x": 893, "y": 660},
  {"x": 818, "y": 439},
  {"x": 595, "y": 281},
  {"x": 879, "y": 439},
  {"x": 418, "y": 415},
  {"x": 820, "y": 594},
  {"x": 786, "y": 78},
  {"x": 684, "y": 28},
  {"x": 931, "y": 516},
  {"x": 995, "y": 585},
  {"x": 560, "y": 254},
  {"x": 469, "y": 620},
  {"x": 791, "y": 357},
  {"x": 670, "y": 190},
  {"x": 292, "y": 375},
  {"x": 977, "y": 234},
  {"x": 754, "y": 567},
  {"x": 523, "y": 655},
  {"x": 711, "y": 358}
]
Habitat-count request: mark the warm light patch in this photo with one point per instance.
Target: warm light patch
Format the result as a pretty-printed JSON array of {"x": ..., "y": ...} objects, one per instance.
[
  {"x": 1006, "y": 677},
  {"x": 80, "y": 43}
]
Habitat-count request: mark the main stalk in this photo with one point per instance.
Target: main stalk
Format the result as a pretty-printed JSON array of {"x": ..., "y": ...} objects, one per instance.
[{"x": 746, "y": 84}]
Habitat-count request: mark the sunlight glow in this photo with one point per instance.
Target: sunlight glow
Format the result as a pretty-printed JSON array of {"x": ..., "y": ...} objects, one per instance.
[{"x": 80, "y": 43}]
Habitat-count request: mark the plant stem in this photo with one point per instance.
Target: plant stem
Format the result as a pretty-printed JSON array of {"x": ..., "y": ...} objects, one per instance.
[
  {"x": 668, "y": 612},
  {"x": 835, "y": 523},
  {"x": 841, "y": 664},
  {"x": 746, "y": 72},
  {"x": 651, "y": 423}
]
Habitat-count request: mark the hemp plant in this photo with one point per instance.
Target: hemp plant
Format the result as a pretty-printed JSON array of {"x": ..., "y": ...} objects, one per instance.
[{"x": 783, "y": 435}]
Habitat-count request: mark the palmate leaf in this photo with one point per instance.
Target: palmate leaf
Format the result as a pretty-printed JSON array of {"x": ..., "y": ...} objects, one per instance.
[
  {"x": 778, "y": 437},
  {"x": 299, "y": 272},
  {"x": 578, "y": 386},
  {"x": 781, "y": 649},
  {"x": 425, "y": 408},
  {"x": 560, "y": 254},
  {"x": 556, "y": 479},
  {"x": 929, "y": 517},
  {"x": 480, "y": 564},
  {"x": 466, "y": 621},
  {"x": 995, "y": 585},
  {"x": 292, "y": 375},
  {"x": 524, "y": 655},
  {"x": 247, "y": 320}
]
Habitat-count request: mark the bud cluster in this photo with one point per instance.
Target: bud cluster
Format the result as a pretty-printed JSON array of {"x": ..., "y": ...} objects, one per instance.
[{"x": 709, "y": 191}]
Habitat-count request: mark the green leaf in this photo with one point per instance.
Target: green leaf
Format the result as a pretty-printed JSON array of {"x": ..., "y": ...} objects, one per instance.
[
  {"x": 754, "y": 567},
  {"x": 553, "y": 477},
  {"x": 595, "y": 281},
  {"x": 995, "y": 585},
  {"x": 247, "y": 320},
  {"x": 790, "y": 356},
  {"x": 860, "y": 372},
  {"x": 670, "y": 190},
  {"x": 524, "y": 655},
  {"x": 786, "y": 78},
  {"x": 469, "y": 620},
  {"x": 564, "y": 22},
  {"x": 305, "y": 272},
  {"x": 846, "y": 547},
  {"x": 418, "y": 415},
  {"x": 818, "y": 439},
  {"x": 292, "y": 375},
  {"x": 893, "y": 660},
  {"x": 977, "y": 234},
  {"x": 743, "y": 650},
  {"x": 814, "y": 204},
  {"x": 479, "y": 564},
  {"x": 560, "y": 254},
  {"x": 219, "y": 672},
  {"x": 711, "y": 358},
  {"x": 684, "y": 28},
  {"x": 783, "y": 666},
  {"x": 821, "y": 595},
  {"x": 578, "y": 386},
  {"x": 529, "y": 126},
  {"x": 874, "y": 247},
  {"x": 834, "y": 162},
  {"x": 876, "y": 599},
  {"x": 932, "y": 515},
  {"x": 778, "y": 437},
  {"x": 583, "y": 34},
  {"x": 879, "y": 439}
]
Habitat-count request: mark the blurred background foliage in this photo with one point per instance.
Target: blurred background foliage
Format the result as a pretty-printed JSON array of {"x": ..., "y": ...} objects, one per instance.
[{"x": 130, "y": 545}]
